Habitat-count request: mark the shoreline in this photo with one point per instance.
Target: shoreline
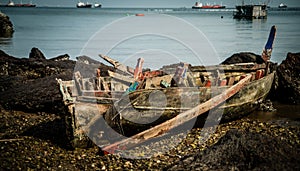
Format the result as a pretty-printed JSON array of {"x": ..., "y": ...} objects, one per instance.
[{"x": 32, "y": 131}]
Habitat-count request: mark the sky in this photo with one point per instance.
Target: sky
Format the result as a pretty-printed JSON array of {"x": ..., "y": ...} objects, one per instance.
[{"x": 153, "y": 3}]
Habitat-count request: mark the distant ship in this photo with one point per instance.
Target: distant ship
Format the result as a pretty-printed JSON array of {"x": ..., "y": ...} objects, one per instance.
[
  {"x": 97, "y": 5},
  {"x": 84, "y": 5},
  {"x": 207, "y": 6},
  {"x": 12, "y": 4},
  {"x": 282, "y": 5}
]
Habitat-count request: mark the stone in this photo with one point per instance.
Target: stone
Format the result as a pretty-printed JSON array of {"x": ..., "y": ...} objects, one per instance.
[
  {"x": 6, "y": 26},
  {"x": 36, "y": 54},
  {"x": 64, "y": 57},
  {"x": 243, "y": 57},
  {"x": 287, "y": 82}
]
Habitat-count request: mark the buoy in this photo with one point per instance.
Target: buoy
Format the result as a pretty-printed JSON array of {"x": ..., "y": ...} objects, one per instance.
[{"x": 140, "y": 14}]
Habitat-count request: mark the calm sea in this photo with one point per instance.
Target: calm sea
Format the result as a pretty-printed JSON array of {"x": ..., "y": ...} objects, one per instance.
[{"x": 75, "y": 31}]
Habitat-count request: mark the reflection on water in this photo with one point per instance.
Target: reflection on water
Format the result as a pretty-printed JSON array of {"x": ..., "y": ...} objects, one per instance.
[
  {"x": 5, "y": 41},
  {"x": 282, "y": 111},
  {"x": 5, "y": 44}
]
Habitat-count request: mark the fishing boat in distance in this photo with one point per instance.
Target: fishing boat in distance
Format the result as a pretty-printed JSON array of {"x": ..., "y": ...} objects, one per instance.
[
  {"x": 84, "y": 5},
  {"x": 121, "y": 107},
  {"x": 12, "y": 4},
  {"x": 199, "y": 5},
  {"x": 282, "y": 5}
]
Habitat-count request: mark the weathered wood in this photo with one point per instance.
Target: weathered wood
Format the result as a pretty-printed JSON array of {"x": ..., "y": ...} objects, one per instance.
[
  {"x": 241, "y": 67},
  {"x": 96, "y": 98},
  {"x": 118, "y": 65},
  {"x": 127, "y": 79},
  {"x": 178, "y": 120},
  {"x": 138, "y": 68},
  {"x": 154, "y": 82}
]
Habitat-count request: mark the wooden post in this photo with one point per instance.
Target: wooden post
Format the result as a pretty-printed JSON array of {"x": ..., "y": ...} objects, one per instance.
[{"x": 267, "y": 52}]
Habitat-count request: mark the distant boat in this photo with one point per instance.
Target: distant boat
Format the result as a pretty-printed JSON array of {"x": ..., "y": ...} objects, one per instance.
[
  {"x": 12, "y": 4},
  {"x": 207, "y": 6},
  {"x": 97, "y": 5},
  {"x": 84, "y": 5},
  {"x": 140, "y": 14},
  {"x": 282, "y": 5}
]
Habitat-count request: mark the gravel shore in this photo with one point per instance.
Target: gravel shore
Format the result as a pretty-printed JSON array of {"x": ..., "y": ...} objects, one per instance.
[
  {"x": 36, "y": 141},
  {"x": 32, "y": 133}
]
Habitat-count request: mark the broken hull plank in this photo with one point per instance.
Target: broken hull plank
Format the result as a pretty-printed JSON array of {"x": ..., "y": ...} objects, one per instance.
[{"x": 118, "y": 65}]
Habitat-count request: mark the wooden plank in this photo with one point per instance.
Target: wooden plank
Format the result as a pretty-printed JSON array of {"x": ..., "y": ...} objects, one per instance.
[
  {"x": 178, "y": 120},
  {"x": 115, "y": 75},
  {"x": 232, "y": 67},
  {"x": 97, "y": 98},
  {"x": 118, "y": 65},
  {"x": 153, "y": 82},
  {"x": 68, "y": 83},
  {"x": 138, "y": 68}
]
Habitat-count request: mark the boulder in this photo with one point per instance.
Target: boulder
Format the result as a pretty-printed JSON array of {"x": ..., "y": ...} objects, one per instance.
[
  {"x": 244, "y": 57},
  {"x": 30, "y": 84},
  {"x": 6, "y": 26},
  {"x": 287, "y": 82},
  {"x": 36, "y": 54}
]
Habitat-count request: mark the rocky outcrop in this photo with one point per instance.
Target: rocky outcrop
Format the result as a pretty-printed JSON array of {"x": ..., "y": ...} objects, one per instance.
[
  {"x": 241, "y": 150},
  {"x": 29, "y": 84},
  {"x": 6, "y": 26},
  {"x": 36, "y": 54},
  {"x": 287, "y": 83},
  {"x": 244, "y": 57}
]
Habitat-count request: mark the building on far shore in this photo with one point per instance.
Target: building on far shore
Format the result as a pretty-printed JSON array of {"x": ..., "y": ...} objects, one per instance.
[{"x": 250, "y": 12}]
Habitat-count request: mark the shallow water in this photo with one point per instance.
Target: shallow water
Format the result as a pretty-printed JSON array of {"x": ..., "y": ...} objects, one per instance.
[{"x": 283, "y": 111}]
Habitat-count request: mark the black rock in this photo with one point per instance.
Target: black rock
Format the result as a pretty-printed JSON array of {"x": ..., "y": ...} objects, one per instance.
[
  {"x": 6, "y": 26},
  {"x": 244, "y": 57},
  {"x": 64, "y": 57},
  {"x": 287, "y": 82},
  {"x": 30, "y": 85},
  {"x": 36, "y": 54},
  {"x": 241, "y": 150}
]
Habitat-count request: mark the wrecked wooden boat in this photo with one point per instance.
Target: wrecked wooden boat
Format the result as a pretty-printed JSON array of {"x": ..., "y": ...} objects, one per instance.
[{"x": 143, "y": 104}]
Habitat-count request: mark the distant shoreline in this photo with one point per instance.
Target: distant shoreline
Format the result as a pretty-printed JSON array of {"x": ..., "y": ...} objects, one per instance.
[{"x": 162, "y": 8}]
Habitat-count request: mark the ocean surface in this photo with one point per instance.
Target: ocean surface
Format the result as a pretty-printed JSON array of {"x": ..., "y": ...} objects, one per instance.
[{"x": 161, "y": 36}]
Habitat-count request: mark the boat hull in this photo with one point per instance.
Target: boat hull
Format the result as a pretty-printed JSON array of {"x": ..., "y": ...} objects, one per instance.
[
  {"x": 209, "y": 7},
  {"x": 245, "y": 101},
  {"x": 85, "y": 113},
  {"x": 143, "y": 113},
  {"x": 85, "y": 6}
]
